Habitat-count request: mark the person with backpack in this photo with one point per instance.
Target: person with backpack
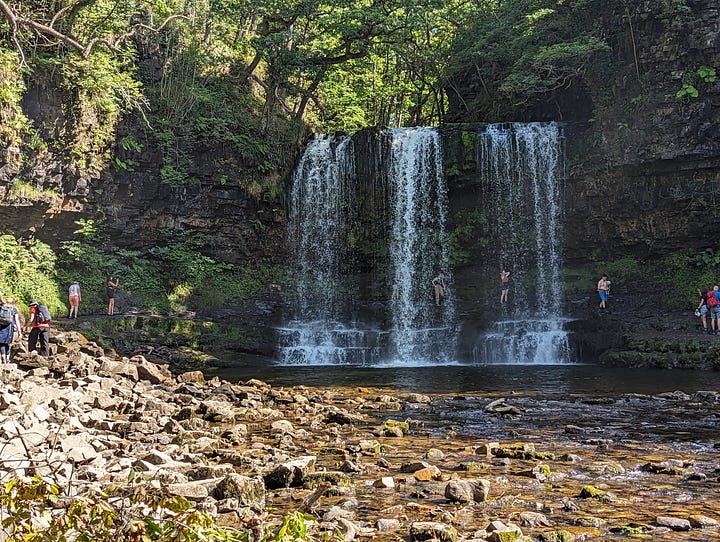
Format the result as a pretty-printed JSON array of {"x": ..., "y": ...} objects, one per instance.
[
  {"x": 39, "y": 325},
  {"x": 9, "y": 322},
  {"x": 713, "y": 303}
]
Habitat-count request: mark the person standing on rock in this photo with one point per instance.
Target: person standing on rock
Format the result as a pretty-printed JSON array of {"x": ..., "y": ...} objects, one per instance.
[
  {"x": 74, "y": 297},
  {"x": 603, "y": 288},
  {"x": 39, "y": 326},
  {"x": 504, "y": 285},
  {"x": 703, "y": 310},
  {"x": 112, "y": 284},
  {"x": 9, "y": 320},
  {"x": 713, "y": 304}
]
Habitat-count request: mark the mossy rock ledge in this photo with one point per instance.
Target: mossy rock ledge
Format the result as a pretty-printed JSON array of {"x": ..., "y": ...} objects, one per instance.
[{"x": 665, "y": 353}]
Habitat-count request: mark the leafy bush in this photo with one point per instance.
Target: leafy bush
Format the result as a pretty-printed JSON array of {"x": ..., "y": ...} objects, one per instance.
[
  {"x": 28, "y": 272},
  {"x": 32, "y": 510}
]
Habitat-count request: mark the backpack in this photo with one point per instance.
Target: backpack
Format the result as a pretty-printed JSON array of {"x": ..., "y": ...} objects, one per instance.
[
  {"x": 712, "y": 301},
  {"x": 43, "y": 314},
  {"x": 6, "y": 316}
]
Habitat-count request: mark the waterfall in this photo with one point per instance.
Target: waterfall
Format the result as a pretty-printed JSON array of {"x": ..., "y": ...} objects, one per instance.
[
  {"x": 521, "y": 166},
  {"x": 421, "y": 331},
  {"x": 320, "y": 214},
  {"x": 325, "y": 328}
]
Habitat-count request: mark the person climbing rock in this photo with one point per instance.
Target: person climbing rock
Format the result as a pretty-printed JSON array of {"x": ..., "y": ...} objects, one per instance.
[{"x": 603, "y": 289}]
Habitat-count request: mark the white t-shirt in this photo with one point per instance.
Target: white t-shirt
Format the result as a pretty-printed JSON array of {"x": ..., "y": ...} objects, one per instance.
[{"x": 74, "y": 289}]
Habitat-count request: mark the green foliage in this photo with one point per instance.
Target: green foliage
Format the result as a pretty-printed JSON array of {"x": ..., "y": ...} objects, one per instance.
[
  {"x": 625, "y": 269},
  {"x": 175, "y": 276},
  {"x": 691, "y": 80},
  {"x": 520, "y": 53},
  {"x": 28, "y": 272}
]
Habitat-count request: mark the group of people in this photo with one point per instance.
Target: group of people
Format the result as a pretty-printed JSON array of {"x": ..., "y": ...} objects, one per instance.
[
  {"x": 709, "y": 304},
  {"x": 11, "y": 327},
  {"x": 38, "y": 324},
  {"x": 603, "y": 288}
]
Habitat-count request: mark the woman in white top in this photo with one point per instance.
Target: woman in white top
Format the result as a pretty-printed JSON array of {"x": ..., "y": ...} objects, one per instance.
[{"x": 75, "y": 297}]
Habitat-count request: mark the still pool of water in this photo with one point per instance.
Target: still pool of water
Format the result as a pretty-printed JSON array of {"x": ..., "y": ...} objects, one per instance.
[{"x": 542, "y": 380}]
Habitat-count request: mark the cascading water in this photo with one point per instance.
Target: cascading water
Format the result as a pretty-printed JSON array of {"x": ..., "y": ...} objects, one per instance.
[
  {"x": 325, "y": 185},
  {"x": 319, "y": 213},
  {"x": 521, "y": 166},
  {"x": 421, "y": 331}
]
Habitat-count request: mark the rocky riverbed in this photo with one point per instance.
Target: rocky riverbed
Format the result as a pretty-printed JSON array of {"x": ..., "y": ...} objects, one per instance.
[{"x": 367, "y": 463}]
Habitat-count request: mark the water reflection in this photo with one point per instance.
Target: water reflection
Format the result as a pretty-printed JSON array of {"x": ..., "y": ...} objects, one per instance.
[{"x": 479, "y": 379}]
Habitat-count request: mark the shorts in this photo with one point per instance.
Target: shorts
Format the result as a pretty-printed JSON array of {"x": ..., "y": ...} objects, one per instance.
[
  {"x": 603, "y": 296},
  {"x": 714, "y": 312},
  {"x": 111, "y": 293},
  {"x": 505, "y": 286},
  {"x": 74, "y": 300},
  {"x": 703, "y": 309}
]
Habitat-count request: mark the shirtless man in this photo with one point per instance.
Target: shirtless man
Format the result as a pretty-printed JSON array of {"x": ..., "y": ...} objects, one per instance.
[
  {"x": 505, "y": 285},
  {"x": 439, "y": 284},
  {"x": 603, "y": 287}
]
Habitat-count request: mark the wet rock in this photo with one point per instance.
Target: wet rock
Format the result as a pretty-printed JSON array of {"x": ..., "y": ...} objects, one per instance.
[
  {"x": 314, "y": 479},
  {"x": 698, "y": 521},
  {"x": 533, "y": 519},
  {"x": 386, "y": 525},
  {"x": 676, "y": 524},
  {"x": 465, "y": 491},
  {"x": 427, "y": 474},
  {"x": 386, "y": 482},
  {"x": 414, "y": 466},
  {"x": 611, "y": 468},
  {"x": 486, "y": 449},
  {"x": 435, "y": 454},
  {"x": 290, "y": 474},
  {"x": 394, "y": 428},
  {"x": 556, "y": 536},
  {"x": 590, "y": 492},
  {"x": 501, "y": 532},
  {"x": 429, "y": 530}
]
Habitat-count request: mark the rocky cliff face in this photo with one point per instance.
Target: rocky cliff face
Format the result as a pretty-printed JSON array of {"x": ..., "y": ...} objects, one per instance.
[{"x": 640, "y": 176}]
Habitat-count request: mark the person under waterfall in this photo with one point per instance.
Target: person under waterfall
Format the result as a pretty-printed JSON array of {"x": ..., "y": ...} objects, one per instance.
[
  {"x": 504, "y": 285},
  {"x": 439, "y": 285}
]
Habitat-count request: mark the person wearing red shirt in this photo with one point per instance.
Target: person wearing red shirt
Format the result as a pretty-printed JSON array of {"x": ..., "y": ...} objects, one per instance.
[{"x": 39, "y": 330}]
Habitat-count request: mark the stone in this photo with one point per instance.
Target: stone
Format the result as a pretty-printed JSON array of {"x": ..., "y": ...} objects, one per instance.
[
  {"x": 698, "y": 521},
  {"x": 78, "y": 449},
  {"x": 290, "y": 474},
  {"x": 429, "y": 530},
  {"x": 119, "y": 368},
  {"x": 465, "y": 491},
  {"x": 385, "y": 525},
  {"x": 427, "y": 474},
  {"x": 248, "y": 491},
  {"x": 386, "y": 482},
  {"x": 676, "y": 524},
  {"x": 195, "y": 377}
]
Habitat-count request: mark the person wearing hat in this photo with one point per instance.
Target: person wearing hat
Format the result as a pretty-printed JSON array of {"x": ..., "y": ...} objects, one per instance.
[{"x": 39, "y": 327}]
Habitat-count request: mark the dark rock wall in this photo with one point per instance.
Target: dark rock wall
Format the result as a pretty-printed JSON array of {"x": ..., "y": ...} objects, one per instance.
[{"x": 639, "y": 178}]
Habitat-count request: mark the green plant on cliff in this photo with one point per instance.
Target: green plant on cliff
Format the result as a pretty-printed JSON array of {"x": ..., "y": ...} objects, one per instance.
[
  {"x": 691, "y": 80},
  {"x": 14, "y": 125},
  {"x": 27, "y": 272}
]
